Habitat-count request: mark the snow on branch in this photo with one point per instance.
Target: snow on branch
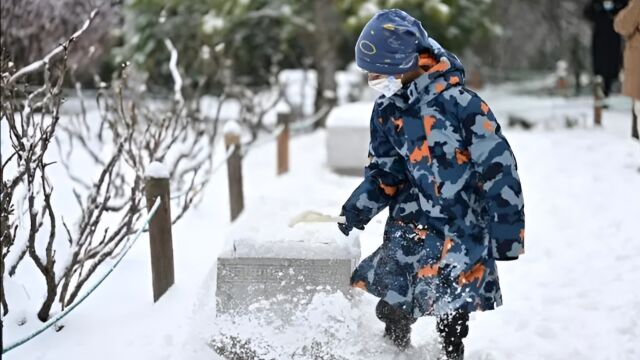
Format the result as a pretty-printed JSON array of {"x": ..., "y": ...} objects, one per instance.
[{"x": 173, "y": 65}]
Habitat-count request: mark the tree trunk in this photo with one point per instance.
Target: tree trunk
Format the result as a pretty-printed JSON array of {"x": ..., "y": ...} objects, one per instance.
[
  {"x": 5, "y": 306},
  {"x": 327, "y": 28},
  {"x": 45, "y": 309}
]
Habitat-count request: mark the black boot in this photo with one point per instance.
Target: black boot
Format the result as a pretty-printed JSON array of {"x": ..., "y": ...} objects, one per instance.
[
  {"x": 452, "y": 329},
  {"x": 398, "y": 324},
  {"x": 400, "y": 335}
]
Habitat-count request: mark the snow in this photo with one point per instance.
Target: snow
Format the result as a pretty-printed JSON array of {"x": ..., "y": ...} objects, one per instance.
[
  {"x": 351, "y": 115},
  {"x": 368, "y": 9},
  {"x": 211, "y": 22},
  {"x": 348, "y": 136},
  {"x": 443, "y": 9},
  {"x": 175, "y": 73},
  {"x": 263, "y": 231},
  {"x": 351, "y": 84},
  {"x": 232, "y": 127},
  {"x": 157, "y": 170},
  {"x": 299, "y": 88},
  {"x": 263, "y": 228},
  {"x": 18, "y": 249},
  {"x": 571, "y": 296},
  {"x": 562, "y": 68}
]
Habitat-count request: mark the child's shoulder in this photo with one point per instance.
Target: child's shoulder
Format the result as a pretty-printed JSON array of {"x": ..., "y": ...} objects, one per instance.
[
  {"x": 462, "y": 101},
  {"x": 467, "y": 102}
]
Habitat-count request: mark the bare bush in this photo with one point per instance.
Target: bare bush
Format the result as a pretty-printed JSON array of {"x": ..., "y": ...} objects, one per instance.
[
  {"x": 127, "y": 133},
  {"x": 31, "y": 117},
  {"x": 140, "y": 131}
]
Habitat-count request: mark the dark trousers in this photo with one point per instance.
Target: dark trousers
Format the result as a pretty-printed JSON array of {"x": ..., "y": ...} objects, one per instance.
[
  {"x": 607, "y": 84},
  {"x": 452, "y": 329},
  {"x": 635, "y": 131}
]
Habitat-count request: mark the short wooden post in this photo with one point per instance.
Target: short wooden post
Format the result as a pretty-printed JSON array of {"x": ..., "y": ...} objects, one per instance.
[
  {"x": 598, "y": 95},
  {"x": 161, "y": 242},
  {"x": 562, "y": 85},
  {"x": 283, "y": 143},
  {"x": 234, "y": 172},
  {"x": 562, "y": 73}
]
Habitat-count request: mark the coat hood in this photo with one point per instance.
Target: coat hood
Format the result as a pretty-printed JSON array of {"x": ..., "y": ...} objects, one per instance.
[{"x": 443, "y": 71}]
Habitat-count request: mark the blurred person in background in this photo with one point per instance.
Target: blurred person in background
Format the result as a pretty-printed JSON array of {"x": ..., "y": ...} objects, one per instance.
[
  {"x": 627, "y": 24},
  {"x": 606, "y": 45},
  {"x": 440, "y": 163}
]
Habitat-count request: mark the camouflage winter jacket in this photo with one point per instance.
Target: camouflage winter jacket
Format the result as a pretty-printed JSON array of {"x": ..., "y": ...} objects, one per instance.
[{"x": 438, "y": 159}]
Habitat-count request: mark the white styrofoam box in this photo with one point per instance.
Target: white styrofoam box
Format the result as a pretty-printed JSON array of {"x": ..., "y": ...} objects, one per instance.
[
  {"x": 285, "y": 284},
  {"x": 348, "y": 137},
  {"x": 284, "y": 273},
  {"x": 266, "y": 261}
]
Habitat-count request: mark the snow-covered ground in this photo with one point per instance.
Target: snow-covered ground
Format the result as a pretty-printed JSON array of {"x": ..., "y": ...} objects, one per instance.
[{"x": 571, "y": 296}]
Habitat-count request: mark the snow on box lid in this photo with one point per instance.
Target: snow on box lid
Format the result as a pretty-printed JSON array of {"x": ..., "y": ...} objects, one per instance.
[{"x": 264, "y": 233}]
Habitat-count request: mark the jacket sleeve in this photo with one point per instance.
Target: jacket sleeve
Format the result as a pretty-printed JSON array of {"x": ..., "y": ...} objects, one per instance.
[
  {"x": 496, "y": 165},
  {"x": 627, "y": 22},
  {"x": 384, "y": 175}
]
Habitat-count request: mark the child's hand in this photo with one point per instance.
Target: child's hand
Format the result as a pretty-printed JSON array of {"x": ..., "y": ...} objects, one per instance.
[{"x": 352, "y": 220}]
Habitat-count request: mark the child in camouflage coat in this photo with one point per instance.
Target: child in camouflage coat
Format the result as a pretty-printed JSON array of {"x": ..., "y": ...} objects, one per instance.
[{"x": 439, "y": 161}]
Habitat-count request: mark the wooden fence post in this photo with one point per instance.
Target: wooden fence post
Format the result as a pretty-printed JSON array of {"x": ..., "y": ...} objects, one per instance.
[
  {"x": 161, "y": 242},
  {"x": 284, "y": 119},
  {"x": 234, "y": 169},
  {"x": 598, "y": 95}
]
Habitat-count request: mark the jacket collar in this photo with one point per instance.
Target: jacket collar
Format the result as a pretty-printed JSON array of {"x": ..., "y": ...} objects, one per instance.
[{"x": 448, "y": 72}]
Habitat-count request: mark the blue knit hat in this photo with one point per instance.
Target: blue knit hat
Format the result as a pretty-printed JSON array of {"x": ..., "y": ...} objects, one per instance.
[{"x": 390, "y": 42}]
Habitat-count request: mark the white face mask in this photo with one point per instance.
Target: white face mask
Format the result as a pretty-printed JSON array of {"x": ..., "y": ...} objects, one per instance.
[{"x": 387, "y": 85}]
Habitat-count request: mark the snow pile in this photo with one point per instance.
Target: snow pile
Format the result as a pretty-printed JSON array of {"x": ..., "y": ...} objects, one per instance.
[{"x": 330, "y": 327}]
